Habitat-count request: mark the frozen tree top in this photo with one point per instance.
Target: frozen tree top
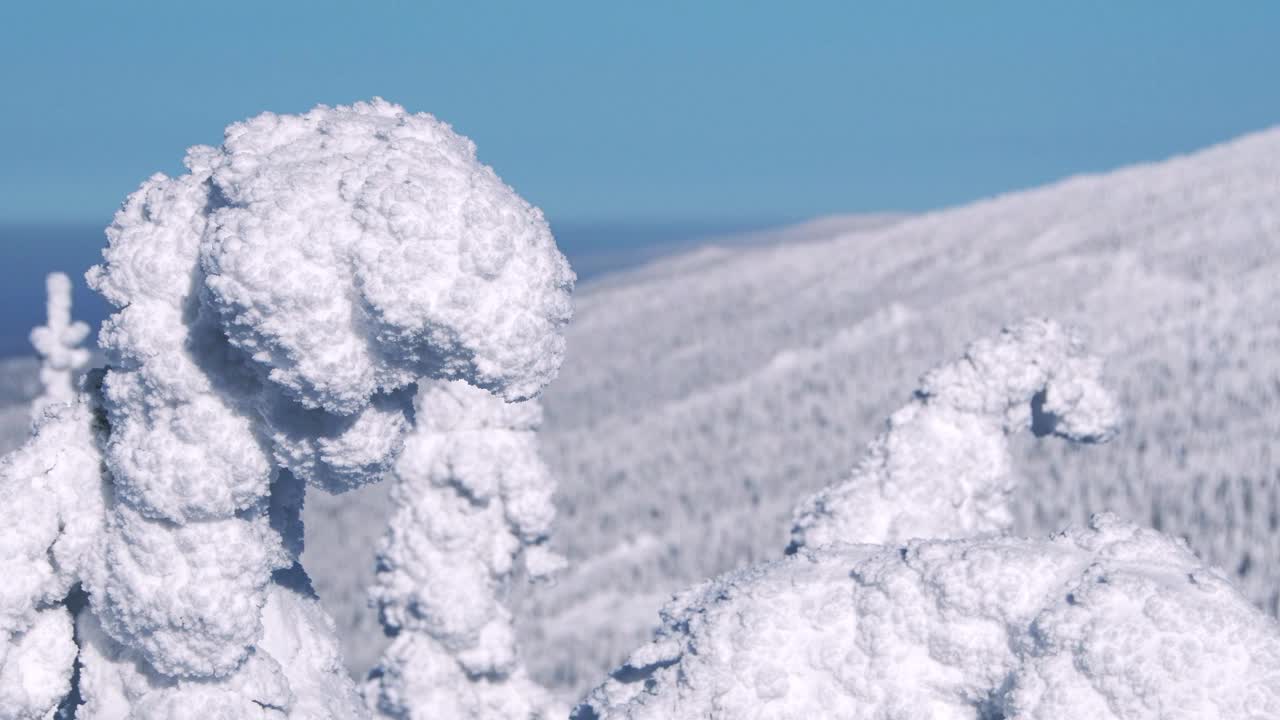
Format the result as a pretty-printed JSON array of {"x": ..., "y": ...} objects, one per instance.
[
  {"x": 352, "y": 250},
  {"x": 58, "y": 343},
  {"x": 1108, "y": 621},
  {"x": 941, "y": 469}
]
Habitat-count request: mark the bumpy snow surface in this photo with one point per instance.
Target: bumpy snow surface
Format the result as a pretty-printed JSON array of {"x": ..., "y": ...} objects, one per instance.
[
  {"x": 52, "y": 515},
  {"x": 276, "y": 306},
  {"x": 704, "y": 395},
  {"x": 1109, "y": 621}
]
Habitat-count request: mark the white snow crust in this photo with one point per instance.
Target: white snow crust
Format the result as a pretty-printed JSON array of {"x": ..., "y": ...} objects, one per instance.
[{"x": 1107, "y": 621}]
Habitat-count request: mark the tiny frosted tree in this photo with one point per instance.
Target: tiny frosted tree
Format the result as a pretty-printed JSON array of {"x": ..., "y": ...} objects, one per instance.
[
  {"x": 472, "y": 498},
  {"x": 276, "y": 306},
  {"x": 58, "y": 344}
]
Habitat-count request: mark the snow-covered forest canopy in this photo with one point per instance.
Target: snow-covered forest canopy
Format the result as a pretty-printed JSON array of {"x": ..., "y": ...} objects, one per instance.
[{"x": 341, "y": 453}]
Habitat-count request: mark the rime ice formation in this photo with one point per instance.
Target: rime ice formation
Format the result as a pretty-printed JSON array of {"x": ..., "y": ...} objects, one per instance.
[
  {"x": 275, "y": 307},
  {"x": 406, "y": 258},
  {"x": 942, "y": 469},
  {"x": 1109, "y": 621},
  {"x": 473, "y": 496},
  {"x": 52, "y": 517},
  {"x": 296, "y": 671},
  {"x": 58, "y": 344}
]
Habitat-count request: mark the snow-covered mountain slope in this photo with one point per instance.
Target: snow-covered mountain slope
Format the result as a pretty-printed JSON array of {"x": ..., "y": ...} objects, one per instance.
[{"x": 706, "y": 394}]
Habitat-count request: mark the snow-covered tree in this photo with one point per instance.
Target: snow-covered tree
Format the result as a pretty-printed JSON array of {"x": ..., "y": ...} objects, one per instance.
[
  {"x": 942, "y": 468},
  {"x": 472, "y": 497},
  {"x": 903, "y": 597},
  {"x": 275, "y": 308},
  {"x": 58, "y": 344}
]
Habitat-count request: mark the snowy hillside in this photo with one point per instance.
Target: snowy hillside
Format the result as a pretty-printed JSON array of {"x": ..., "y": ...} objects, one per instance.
[{"x": 705, "y": 394}]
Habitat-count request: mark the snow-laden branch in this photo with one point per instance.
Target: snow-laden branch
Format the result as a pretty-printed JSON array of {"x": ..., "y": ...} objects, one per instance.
[
  {"x": 472, "y": 497},
  {"x": 942, "y": 468},
  {"x": 58, "y": 344},
  {"x": 275, "y": 307}
]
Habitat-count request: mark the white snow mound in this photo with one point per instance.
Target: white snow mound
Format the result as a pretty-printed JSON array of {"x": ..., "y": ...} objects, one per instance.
[{"x": 1108, "y": 621}]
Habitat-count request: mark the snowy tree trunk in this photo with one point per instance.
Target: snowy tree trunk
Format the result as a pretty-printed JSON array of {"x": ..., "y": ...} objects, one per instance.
[{"x": 472, "y": 498}]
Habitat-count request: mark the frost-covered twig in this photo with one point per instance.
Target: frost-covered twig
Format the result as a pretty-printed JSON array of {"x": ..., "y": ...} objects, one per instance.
[
  {"x": 275, "y": 307},
  {"x": 472, "y": 496},
  {"x": 942, "y": 468},
  {"x": 58, "y": 344}
]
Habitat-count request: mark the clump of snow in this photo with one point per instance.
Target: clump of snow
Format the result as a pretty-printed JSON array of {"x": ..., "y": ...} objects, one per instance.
[
  {"x": 35, "y": 667},
  {"x": 406, "y": 258},
  {"x": 472, "y": 497},
  {"x": 942, "y": 468},
  {"x": 296, "y": 671},
  {"x": 58, "y": 344},
  {"x": 52, "y": 516},
  {"x": 1105, "y": 621},
  {"x": 276, "y": 306}
]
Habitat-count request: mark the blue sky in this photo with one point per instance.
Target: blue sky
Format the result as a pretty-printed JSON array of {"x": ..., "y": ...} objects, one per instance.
[{"x": 646, "y": 111}]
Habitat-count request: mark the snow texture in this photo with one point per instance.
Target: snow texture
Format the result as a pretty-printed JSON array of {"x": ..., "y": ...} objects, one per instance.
[
  {"x": 296, "y": 671},
  {"x": 52, "y": 515},
  {"x": 1110, "y": 621},
  {"x": 706, "y": 394},
  {"x": 58, "y": 344},
  {"x": 472, "y": 496},
  {"x": 405, "y": 258},
  {"x": 275, "y": 307},
  {"x": 943, "y": 468}
]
